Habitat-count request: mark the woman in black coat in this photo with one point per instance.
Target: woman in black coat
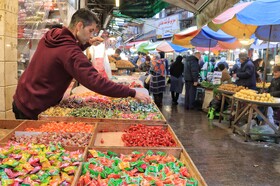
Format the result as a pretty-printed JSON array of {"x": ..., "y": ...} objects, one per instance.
[{"x": 177, "y": 82}]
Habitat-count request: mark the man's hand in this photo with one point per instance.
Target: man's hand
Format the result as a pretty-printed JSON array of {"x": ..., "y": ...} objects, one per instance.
[
  {"x": 234, "y": 76},
  {"x": 142, "y": 97},
  {"x": 195, "y": 84},
  {"x": 95, "y": 41}
]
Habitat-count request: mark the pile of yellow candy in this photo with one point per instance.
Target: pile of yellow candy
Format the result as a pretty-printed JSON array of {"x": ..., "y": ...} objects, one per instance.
[
  {"x": 260, "y": 85},
  {"x": 253, "y": 96},
  {"x": 231, "y": 87}
]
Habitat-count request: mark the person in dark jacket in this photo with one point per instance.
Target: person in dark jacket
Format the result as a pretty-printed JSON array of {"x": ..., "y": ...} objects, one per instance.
[
  {"x": 245, "y": 76},
  {"x": 191, "y": 73},
  {"x": 274, "y": 88},
  {"x": 57, "y": 60},
  {"x": 258, "y": 68},
  {"x": 176, "y": 73}
]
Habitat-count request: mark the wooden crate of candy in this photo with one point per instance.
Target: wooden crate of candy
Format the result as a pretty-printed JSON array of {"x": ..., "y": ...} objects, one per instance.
[
  {"x": 135, "y": 135},
  {"x": 76, "y": 134},
  {"x": 96, "y": 107},
  {"x": 38, "y": 164},
  {"x": 6, "y": 126},
  {"x": 139, "y": 166}
]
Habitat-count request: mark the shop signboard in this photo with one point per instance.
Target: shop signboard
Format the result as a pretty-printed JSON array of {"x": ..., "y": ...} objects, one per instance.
[{"x": 167, "y": 26}]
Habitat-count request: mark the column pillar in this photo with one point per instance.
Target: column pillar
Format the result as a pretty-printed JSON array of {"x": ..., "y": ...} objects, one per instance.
[{"x": 8, "y": 56}]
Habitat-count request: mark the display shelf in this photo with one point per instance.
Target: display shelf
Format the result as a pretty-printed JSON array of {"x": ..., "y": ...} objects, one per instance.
[{"x": 34, "y": 19}]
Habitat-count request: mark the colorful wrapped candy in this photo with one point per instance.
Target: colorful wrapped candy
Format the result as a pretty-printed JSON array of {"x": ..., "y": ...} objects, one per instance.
[
  {"x": 134, "y": 169},
  {"x": 37, "y": 165}
]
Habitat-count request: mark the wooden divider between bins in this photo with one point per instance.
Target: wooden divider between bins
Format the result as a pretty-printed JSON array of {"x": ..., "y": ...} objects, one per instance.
[{"x": 53, "y": 118}]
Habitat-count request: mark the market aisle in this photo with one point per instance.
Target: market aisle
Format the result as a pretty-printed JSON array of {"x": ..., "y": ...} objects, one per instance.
[{"x": 221, "y": 157}]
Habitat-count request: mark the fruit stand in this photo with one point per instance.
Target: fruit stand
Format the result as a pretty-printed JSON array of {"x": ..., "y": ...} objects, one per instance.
[
  {"x": 227, "y": 91},
  {"x": 248, "y": 103},
  {"x": 51, "y": 162}
]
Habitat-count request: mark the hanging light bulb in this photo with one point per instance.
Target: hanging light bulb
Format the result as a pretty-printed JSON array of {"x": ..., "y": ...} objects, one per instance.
[
  {"x": 246, "y": 41},
  {"x": 117, "y": 3}
]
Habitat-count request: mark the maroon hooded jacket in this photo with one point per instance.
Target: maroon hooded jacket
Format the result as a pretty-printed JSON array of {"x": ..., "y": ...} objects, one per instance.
[{"x": 57, "y": 60}]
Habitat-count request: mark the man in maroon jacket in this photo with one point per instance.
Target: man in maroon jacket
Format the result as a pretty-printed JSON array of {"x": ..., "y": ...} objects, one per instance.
[{"x": 58, "y": 59}]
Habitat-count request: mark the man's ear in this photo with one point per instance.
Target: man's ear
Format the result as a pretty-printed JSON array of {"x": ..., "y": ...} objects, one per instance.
[{"x": 79, "y": 26}]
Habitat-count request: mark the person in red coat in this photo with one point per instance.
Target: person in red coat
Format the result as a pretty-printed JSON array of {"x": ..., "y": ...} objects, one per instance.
[{"x": 57, "y": 60}]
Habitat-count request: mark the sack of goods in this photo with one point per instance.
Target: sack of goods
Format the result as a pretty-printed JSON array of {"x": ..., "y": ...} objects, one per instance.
[{"x": 124, "y": 64}]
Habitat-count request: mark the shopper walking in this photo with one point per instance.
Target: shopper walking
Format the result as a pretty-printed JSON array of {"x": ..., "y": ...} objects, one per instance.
[
  {"x": 57, "y": 60},
  {"x": 176, "y": 75},
  {"x": 191, "y": 73},
  {"x": 246, "y": 75},
  {"x": 157, "y": 82}
]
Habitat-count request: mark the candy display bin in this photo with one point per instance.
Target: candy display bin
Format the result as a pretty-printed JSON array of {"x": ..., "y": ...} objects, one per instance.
[{"x": 178, "y": 153}]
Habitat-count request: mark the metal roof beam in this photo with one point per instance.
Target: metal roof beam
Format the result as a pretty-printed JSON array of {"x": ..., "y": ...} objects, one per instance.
[{"x": 184, "y": 5}]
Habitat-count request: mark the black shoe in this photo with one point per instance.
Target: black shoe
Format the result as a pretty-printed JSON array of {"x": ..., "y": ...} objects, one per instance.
[{"x": 174, "y": 103}]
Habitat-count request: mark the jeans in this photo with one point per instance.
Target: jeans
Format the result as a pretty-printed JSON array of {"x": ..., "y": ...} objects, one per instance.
[{"x": 190, "y": 95}]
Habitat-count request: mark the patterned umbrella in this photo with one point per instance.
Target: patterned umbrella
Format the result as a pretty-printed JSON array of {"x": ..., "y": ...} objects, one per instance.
[{"x": 261, "y": 17}]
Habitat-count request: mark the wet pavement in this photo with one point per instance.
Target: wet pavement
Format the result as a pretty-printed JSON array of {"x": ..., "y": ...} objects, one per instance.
[{"x": 222, "y": 157}]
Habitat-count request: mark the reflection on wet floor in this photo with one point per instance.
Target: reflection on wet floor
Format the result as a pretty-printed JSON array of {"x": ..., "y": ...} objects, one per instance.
[{"x": 223, "y": 158}]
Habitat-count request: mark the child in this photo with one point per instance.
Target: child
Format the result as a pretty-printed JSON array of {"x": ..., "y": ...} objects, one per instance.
[{"x": 274, "y": 88}]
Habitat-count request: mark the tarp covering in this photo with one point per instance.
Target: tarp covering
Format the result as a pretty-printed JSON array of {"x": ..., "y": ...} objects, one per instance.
[
  {"x": 205, "y": 10},
  {"x": 210, "y": 38},
  {"x": 245, "y": 19},
  {"x": 142, "y": 9},
  {"x": 204, "y": 37},
  {"x": 260, "y": 12},
  {"x": 165, "y": 46},
  {"x": 213, "y": 9}
]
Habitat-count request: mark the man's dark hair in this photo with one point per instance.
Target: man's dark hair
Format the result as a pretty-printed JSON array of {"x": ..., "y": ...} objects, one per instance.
[
  {"x": 118, "y": 51},
  {"x": 85, "y": 16},
  {"x": 178, "y": 59},
  {"x": 221, "y": 66},
  {"x": 162, "y": 54},
  {"x": 276, "y": 68}
]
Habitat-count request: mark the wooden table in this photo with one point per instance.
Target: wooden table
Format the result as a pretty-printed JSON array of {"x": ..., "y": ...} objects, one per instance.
[
  {"x": 226, "y": 94},
  {"x": 248, "y": 107}
]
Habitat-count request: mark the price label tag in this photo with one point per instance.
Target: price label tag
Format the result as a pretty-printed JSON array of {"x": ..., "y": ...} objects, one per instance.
[{"x": 217, "y": 75}]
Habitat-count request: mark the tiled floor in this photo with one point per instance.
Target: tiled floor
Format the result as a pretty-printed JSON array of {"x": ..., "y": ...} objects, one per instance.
[{"x": 222, "y": 157}]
